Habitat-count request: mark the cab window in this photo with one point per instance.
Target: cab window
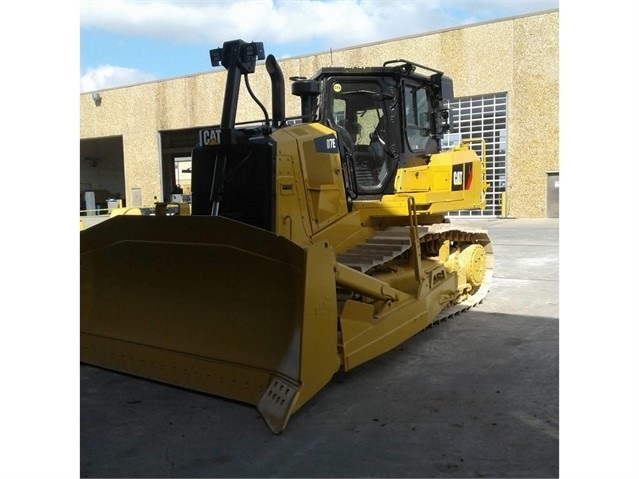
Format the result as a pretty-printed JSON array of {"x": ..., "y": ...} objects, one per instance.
[
  {"x": 357, "y": 113},
  {"x": 417, "y": 117}
]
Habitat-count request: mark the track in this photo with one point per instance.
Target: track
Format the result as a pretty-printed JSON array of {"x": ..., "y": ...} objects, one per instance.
[{"x": 393, "y": 242}]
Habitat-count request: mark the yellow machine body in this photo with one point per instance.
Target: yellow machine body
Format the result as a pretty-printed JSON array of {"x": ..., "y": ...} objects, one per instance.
[{"x": 210, "y": 303}]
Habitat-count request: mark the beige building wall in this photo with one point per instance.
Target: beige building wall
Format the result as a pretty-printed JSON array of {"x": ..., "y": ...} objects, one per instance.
[{"x": 518, "y": 56}]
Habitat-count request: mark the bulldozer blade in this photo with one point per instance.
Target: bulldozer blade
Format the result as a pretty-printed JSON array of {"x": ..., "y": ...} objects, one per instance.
[{"x": 210, "y": 304}]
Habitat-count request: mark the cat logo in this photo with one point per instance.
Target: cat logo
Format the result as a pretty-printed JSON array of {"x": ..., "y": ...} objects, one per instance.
[
  {"x": 210, "y": 137},
  {"x": 458, "y": 178},
  {"x": 462, "y": 177}
]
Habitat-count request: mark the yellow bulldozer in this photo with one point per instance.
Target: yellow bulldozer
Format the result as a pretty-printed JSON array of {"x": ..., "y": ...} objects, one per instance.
[{"x": 314, "y": 243}]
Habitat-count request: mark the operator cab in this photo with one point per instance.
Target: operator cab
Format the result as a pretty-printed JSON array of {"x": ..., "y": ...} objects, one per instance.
[{"x": 385, "y": 118}]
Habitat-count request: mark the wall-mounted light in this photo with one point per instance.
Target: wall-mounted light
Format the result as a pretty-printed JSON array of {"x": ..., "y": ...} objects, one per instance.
[{"x": 97, "y": 99}]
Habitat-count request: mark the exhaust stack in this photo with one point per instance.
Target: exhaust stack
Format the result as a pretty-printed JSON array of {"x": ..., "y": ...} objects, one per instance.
[{"x": 277, "y": 90}]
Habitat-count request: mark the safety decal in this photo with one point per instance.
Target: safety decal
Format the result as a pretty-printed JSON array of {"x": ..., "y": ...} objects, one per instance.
[{"x": 468, "y": 173}]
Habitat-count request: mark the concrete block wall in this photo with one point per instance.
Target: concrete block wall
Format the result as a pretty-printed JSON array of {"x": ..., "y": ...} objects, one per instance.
[{"x": 519, "y": 56}]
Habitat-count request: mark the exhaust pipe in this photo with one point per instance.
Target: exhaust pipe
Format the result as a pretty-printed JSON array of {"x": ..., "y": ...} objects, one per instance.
[{"x": 277, "y": 90}]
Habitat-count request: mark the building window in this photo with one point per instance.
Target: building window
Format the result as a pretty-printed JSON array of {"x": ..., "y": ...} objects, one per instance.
[{"x": 484, "y": 117}]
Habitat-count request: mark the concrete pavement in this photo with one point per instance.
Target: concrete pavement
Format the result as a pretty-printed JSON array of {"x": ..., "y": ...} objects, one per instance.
[{"x": 475, "y": 396}]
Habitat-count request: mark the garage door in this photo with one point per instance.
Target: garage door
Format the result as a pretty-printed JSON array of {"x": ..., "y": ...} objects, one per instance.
[{"x": 484, "y": 117}]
